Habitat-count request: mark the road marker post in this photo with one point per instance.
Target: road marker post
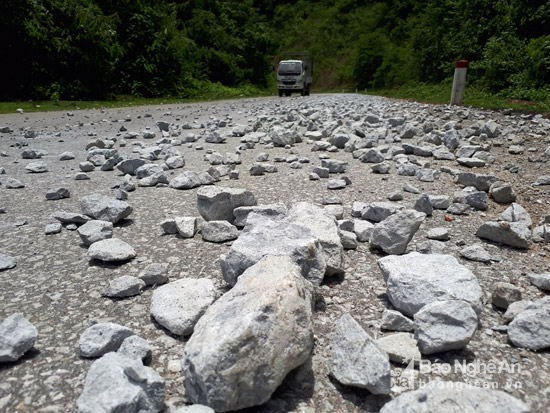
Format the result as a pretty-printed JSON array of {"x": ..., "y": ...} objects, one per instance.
[{"x": 459, "y": 82}]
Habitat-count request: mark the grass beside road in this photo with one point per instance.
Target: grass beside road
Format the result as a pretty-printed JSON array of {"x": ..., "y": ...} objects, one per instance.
[
  {"x": 426, "y": 93},
  {"x": 441, "y": 93}
]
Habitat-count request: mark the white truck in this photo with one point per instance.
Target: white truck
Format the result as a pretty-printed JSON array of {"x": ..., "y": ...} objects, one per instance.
[{"x": 295, "y": 76}]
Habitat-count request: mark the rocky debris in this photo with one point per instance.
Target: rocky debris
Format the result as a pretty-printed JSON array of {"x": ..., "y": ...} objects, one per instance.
[
  {"x": 502, "y": 193},
  {"x": 334, "y": 166},
  {"x": 401, "y": 348},
  {"x": 66, "y": 156},
  {"x": 480, "y": 181},
  {"x": 363, "y": 230},
  {"x": 530, "y": 328},
  {"x": 356, "y": 359},
  {"x": 70, "y": 218},
  {"x": 124, "y": 286},
  {"x": 379, "y": 211},
  {"x": 542, "y": 180},
  {"x": 514, "y": 309},
  {"x": 458, "y": 396},
  {"x": 438, "y": 234},
  {"x": 324, "y": 227},
  {"x": 394, "y": 233},
  {"x": 36, "y": 167},
  {"x": 104, "y": 208},
  {"x": 178, "y": 305},
  {"x": 273, "y": 211},
  {"x": 59, "y": 193},
  {"x": 541, "y": 281},
  {"x": 186, "y": 180},
  {"x": 514, "y": 234},
  {"x": 217, "y": 203},
  {"x": 17, "y": 336},
  {"x": 12, "y": 183},
  {"x": 186, "y": 226},
  {"x": 414, "y": 280},
  {"x": 112, "y": 249},
  {"x": 117, "y": 383},
  {"x": 95, "y": 230},
  {"x": 154, "y": 274},
  {"x": 505, "y": 294},
  {"x": 476, "y": 252},
  {"x": 444, "y": 325},
  {"x": 52, "y": 229},
  {"x": 219, "y": 231},
  {"x": 262, "y": 328},
  {"x": 516, "y": 213},
  {"x": 263, "y": 236},
  {"x": 424, "y": 205},
  {"x": 135, "y": 347},
  {"x": 7, "y": 262},
  {"x": 102, "y": 338},
  {"x": 395, "y": 321},
  {"x": 194, "y": 408}
]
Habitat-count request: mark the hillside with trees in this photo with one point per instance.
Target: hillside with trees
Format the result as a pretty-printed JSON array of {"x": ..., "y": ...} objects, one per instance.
[{"x": 68, "y": 49}]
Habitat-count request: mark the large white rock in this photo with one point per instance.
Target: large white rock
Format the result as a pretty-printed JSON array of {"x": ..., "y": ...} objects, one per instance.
[
  {"x": 178, "y": 305},
  {"x": 17, "y": 336},
  {"x": 356, "y": 359},
  {"x": 217, "y": 203},
  {"x": 116, "y": 383},
  {"x": 112, "y": 249},
  {"x": 531, "y": 327},
  {"x": 263, "y": 236},
  {"x": 325, "y": 228},
  {"x": 447, "y": 396},
  {"x": 394, "y": 233},
  {"x": 415, "y": 279},
  {"x": 444, "y": 325},
  {"x": 249, "y": 339},
  {"x": 105, "y": 208}
]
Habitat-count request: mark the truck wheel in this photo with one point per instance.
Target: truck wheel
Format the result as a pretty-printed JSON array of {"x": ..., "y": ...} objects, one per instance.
[
  {"x": 287, "y": 92},
  {"x": 303, "y": 92},
  {"x": 307, "y": 91},
  {"x": 280, "y": 92}
]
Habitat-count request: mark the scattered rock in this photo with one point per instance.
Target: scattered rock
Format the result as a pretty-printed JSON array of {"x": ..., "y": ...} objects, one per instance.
[
  {"x": 17, "y": 336},
  {"x": 394, "y": 233},
  {"x": 514, "y": 234},
  {"x": 112, "y": 249},
  {"x": 59, "y": 193},
  {"x": 124, "y": 286},
  {"x": 505, "y": 294},
  {"x": 219, "y": 231},
  {"x": 94, "y": 231},
  {"x": 7, "y": 262},
  {"x": 178, "y": 305},
  {"x": 102, "y": 338},
  {"x": 106, "y": 209},
  {"x": 402, "y": 348},
  {"x": 395, "y": 321},
  {"x": 186, "y": 226},
  {"x": 217, "y": 203},
  {"x": 530, "y": 328},
  {"x": 154, "y": 274}
]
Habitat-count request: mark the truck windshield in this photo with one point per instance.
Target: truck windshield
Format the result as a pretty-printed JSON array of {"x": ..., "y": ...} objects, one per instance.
[{"x": 290, "y": 68}]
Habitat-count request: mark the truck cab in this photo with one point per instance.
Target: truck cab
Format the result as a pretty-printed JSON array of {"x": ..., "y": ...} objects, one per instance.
[{"x": 294, "y": 76}]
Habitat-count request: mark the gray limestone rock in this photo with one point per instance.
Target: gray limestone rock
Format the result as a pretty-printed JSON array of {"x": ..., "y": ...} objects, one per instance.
[
  {"x": 135, "y": 347},
  {"x": 124, "y": 286},
  {"x": 263, "y": 236},
  {"x": 51, "y": 229},
  {"x": 455, "y": 397},
  {"x": 17, "y": 336},
  {"x": 219, "y": 231},
  {"x": 440, "y": 201},
  {"x": 12, "y": 183},
  {"x": 217, "y": 203},
  {"x": 414, "y": 280},
  {"x": 251, "y": 338},
  {"x": 186, "y": 226},
  {"x": 541, "y": 281},
  {"x": 112, "y": 249},
  {"x": 379, "y": 211},
  {"x": 324, "y": 227},
  {"x": 438, "y": 234},
  {"x": 476, "y": 252},
  {"x": 402, "y": 348},
  {"x": 480, "y": 181},
  {"x": 502, "y": 192},
  {"x": 154, "y": 274},
  {"x": 7, "y": 262},
  {"x": 37, "y": 167},
  {"x": 178, "y": 305},
  {"x": 514, "y": 234},
  {"x": 516, "y": 213},
  {"x": 104, "y": 208},
  {"x": 273, "y": 211},
  {"x": 363, "y": 230},
  {"x": 514, "y": 309},
  {"x": 444, "y": 325},
  {"x": 186, "y": 180},
  {"x": 394, "y": 233},
  {"x": 395, "y": 321},
  {"x": 334, "y": 166},
  {"x": 169, "y": 226},
  {"x": 102, "y": 338},
  {"x": 116, "y": 383},
  {"x": 59, "y": 193},
  {"x": 95, "y": 230},
  {"x": 530, "y": 328},
  {"x": 423, "y": 204},
  {"x": 356, "y": 359},
  {"x": 505, "y": 294},
  {"x": 70, "y": 218},
  {"x": 129, "y": 166}
]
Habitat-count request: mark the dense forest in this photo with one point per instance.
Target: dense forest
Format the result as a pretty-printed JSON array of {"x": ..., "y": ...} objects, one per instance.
[{"x": 68, "y": 49}]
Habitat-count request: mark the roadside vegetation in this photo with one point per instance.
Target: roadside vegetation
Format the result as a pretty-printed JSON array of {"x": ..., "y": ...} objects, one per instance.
[{"x": 63, "y": 54}]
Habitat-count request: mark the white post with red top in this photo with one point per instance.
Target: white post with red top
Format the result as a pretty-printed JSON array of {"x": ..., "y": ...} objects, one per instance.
[{"x": 459, "y": 82}]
